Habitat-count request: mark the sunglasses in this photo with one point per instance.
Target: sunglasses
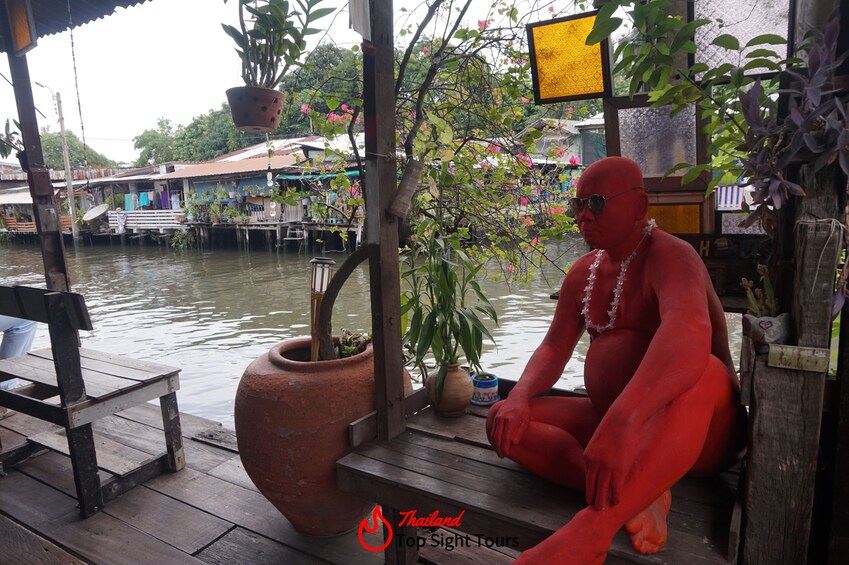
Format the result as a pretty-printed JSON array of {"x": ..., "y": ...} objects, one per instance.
[{"x": 596, "y": 202}]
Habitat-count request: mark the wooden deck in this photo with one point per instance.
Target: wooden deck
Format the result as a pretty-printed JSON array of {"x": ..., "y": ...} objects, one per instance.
[
  {"x": 209, "y": 512},
  {"x": 447, "y": 465}
]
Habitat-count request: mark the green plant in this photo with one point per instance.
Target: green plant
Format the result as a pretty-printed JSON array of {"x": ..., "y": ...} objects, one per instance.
[
  {"x": 10, "y": 141},
  {"x": 762, "y": 301},
  {"x": 182, "y": 239},
  {"x": 352, "y": 343},
  {"x": 748, "y": 138},
  {"x": 270, "y": 37},
  {"x": 444, "y": 302}
]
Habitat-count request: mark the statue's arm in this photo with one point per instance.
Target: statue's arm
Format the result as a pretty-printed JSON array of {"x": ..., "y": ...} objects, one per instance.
[
  {"x": 546, "y": 364},
  {"x": 679, "y": 351}
]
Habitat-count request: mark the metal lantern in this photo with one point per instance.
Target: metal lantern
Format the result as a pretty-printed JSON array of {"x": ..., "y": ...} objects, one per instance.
[{"x": 322, "y": 271}]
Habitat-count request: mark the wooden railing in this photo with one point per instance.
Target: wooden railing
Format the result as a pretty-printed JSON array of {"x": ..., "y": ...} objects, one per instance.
[
  {"x": 139, "y": 220},
  {"x": 18, "y": 226}
]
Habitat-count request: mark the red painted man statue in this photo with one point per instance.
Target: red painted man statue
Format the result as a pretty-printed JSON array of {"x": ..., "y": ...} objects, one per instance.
[{"x": 662, "y": 392}]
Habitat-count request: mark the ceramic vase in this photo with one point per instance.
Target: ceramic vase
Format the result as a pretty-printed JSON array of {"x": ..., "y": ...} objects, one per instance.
[
  {"x": 456, "y": 392},
  {"x": 291, "y": 419}
]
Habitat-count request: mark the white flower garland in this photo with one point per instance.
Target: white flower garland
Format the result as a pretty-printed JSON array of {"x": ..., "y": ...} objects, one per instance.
[{"x": 617, "y": 291}]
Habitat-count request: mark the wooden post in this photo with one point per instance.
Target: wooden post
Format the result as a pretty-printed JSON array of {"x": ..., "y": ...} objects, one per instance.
[
  {"x": 785, "y": 414},
  {"x": 45, "y": 211},
  {"x": 382, "y": 227}
]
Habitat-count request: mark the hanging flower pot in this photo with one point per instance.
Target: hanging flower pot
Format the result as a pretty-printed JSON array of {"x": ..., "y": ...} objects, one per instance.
[{"x": 255, "y": 109}]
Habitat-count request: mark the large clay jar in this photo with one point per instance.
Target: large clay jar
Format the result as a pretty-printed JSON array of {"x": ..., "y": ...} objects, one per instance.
[
  {"x": 456, "y": 392},
  {"x": 291, "y": 420}
]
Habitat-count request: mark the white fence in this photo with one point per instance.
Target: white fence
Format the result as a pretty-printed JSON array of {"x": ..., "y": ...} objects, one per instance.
[{"x": 155, "y": 220}]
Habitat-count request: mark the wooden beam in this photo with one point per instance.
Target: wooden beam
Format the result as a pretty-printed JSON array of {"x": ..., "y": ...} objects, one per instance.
[
  {"x": 382, "y": 227},
  {"x": 45, "y": 210}
]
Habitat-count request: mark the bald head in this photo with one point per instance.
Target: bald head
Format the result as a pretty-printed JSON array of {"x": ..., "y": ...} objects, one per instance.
[{"x": 610, "y": 175}]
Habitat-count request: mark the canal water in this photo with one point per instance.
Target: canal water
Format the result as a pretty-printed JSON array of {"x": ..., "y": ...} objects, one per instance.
[{"x": 212, "y": 312}]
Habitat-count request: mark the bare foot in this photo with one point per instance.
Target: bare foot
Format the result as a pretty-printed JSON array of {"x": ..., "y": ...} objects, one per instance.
[{"x": 648, "y": 528}]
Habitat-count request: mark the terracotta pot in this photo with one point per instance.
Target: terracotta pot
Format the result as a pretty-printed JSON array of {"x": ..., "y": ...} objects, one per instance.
[
  {"x": 291, "y": 418},
  {"x": 255, "y": 109},
  {"x": 456, "y": 392}
]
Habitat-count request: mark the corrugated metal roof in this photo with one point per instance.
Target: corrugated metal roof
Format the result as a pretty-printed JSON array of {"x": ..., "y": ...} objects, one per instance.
[
  {"x": 51, "y": 16},
  {"x": 213, "y": 169}
]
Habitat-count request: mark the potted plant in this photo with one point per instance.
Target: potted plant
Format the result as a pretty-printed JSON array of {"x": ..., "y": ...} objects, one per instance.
[
  {"x": 445, "y": 308},
  {"x": 762, "y": 322},
  {"x": 269, "y": 40},
  {"x": 292, "y": 417}
]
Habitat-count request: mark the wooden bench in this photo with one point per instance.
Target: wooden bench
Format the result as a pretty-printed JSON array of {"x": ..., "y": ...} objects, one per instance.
[
  {"x": 447, "y": 465},
  {"x": 73, "y": 387}
]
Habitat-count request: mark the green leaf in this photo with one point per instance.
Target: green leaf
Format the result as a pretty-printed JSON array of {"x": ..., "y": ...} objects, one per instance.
[
  {"x": 767, "y": 38},
  {"x": 726, "y": 41},
  {"x": 602, "y": 29}
]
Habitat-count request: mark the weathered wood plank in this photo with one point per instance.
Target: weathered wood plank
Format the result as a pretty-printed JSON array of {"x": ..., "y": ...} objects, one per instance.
[
  {"x": 28, "y": 425},
  {"x": 105, "y": 539},
  {"x": 54, "y": 469},
  {"x": 150, "y": 438},
  {"x": 151, "y": 367},
  {"x": 407, "y": 485},
  {"x": 233, "y": 471},
  {"x": 149, "y": 414},
  {"x": 93, "y": 367},
  {"x": 253, "y": 512},
  {"x": 27, "y": 548},
  {"x": 784, "y": 425},
  {"x": 471, "y": 429},
  {"x": 219, "y": 437},
  {"x": 243, "y": 546},
  {"x": 167, "y": 519},
  {"x": 111, "y": 456},
  {"x": 33, "y": 503},
  {"x": 88, "y": 411}
]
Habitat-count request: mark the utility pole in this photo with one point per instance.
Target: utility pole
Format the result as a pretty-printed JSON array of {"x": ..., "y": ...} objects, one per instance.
[{"x": 69, "y": 174}]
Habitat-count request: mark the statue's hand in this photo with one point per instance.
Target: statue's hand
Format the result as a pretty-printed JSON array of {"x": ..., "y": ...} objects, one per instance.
[
  {"x": 507, "y": 423},
  {"x": 608, "y": 457}
]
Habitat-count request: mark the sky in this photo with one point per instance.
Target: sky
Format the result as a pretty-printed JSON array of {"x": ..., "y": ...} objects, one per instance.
[{"x": 163, "y": 58}]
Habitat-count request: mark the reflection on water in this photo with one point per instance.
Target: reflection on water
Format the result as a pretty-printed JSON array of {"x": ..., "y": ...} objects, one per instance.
[{"x": 212, "y": 312}]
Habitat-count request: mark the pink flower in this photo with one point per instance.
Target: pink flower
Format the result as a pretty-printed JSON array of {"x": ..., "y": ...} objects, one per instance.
[
  {"x": 511, "y": 268},
  {"x": 357, "y": 121},
  {"x": 525, "y": 159},
  {"x": 535, "y": 241},
  {"x": 551, "y": 9},
  {"x": 560, "y": 152},
  {"x": 425, "y": 50},
  {"x": 524, "y": 100},
  {"x": 485, "y": 165},
  {"x": 345, "y": 108},
  {"x": 523, "y": 201},
  {"x": 305, "y": 108},
  {"x": 571, "y": 109},
  {"x": 494, "y": 149},
  {"x": 526, "y": 220},
  {"x": 573, "y": 160},
  {"x": 556, "y": 210},
  {"x": 482, "y": 24}
]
